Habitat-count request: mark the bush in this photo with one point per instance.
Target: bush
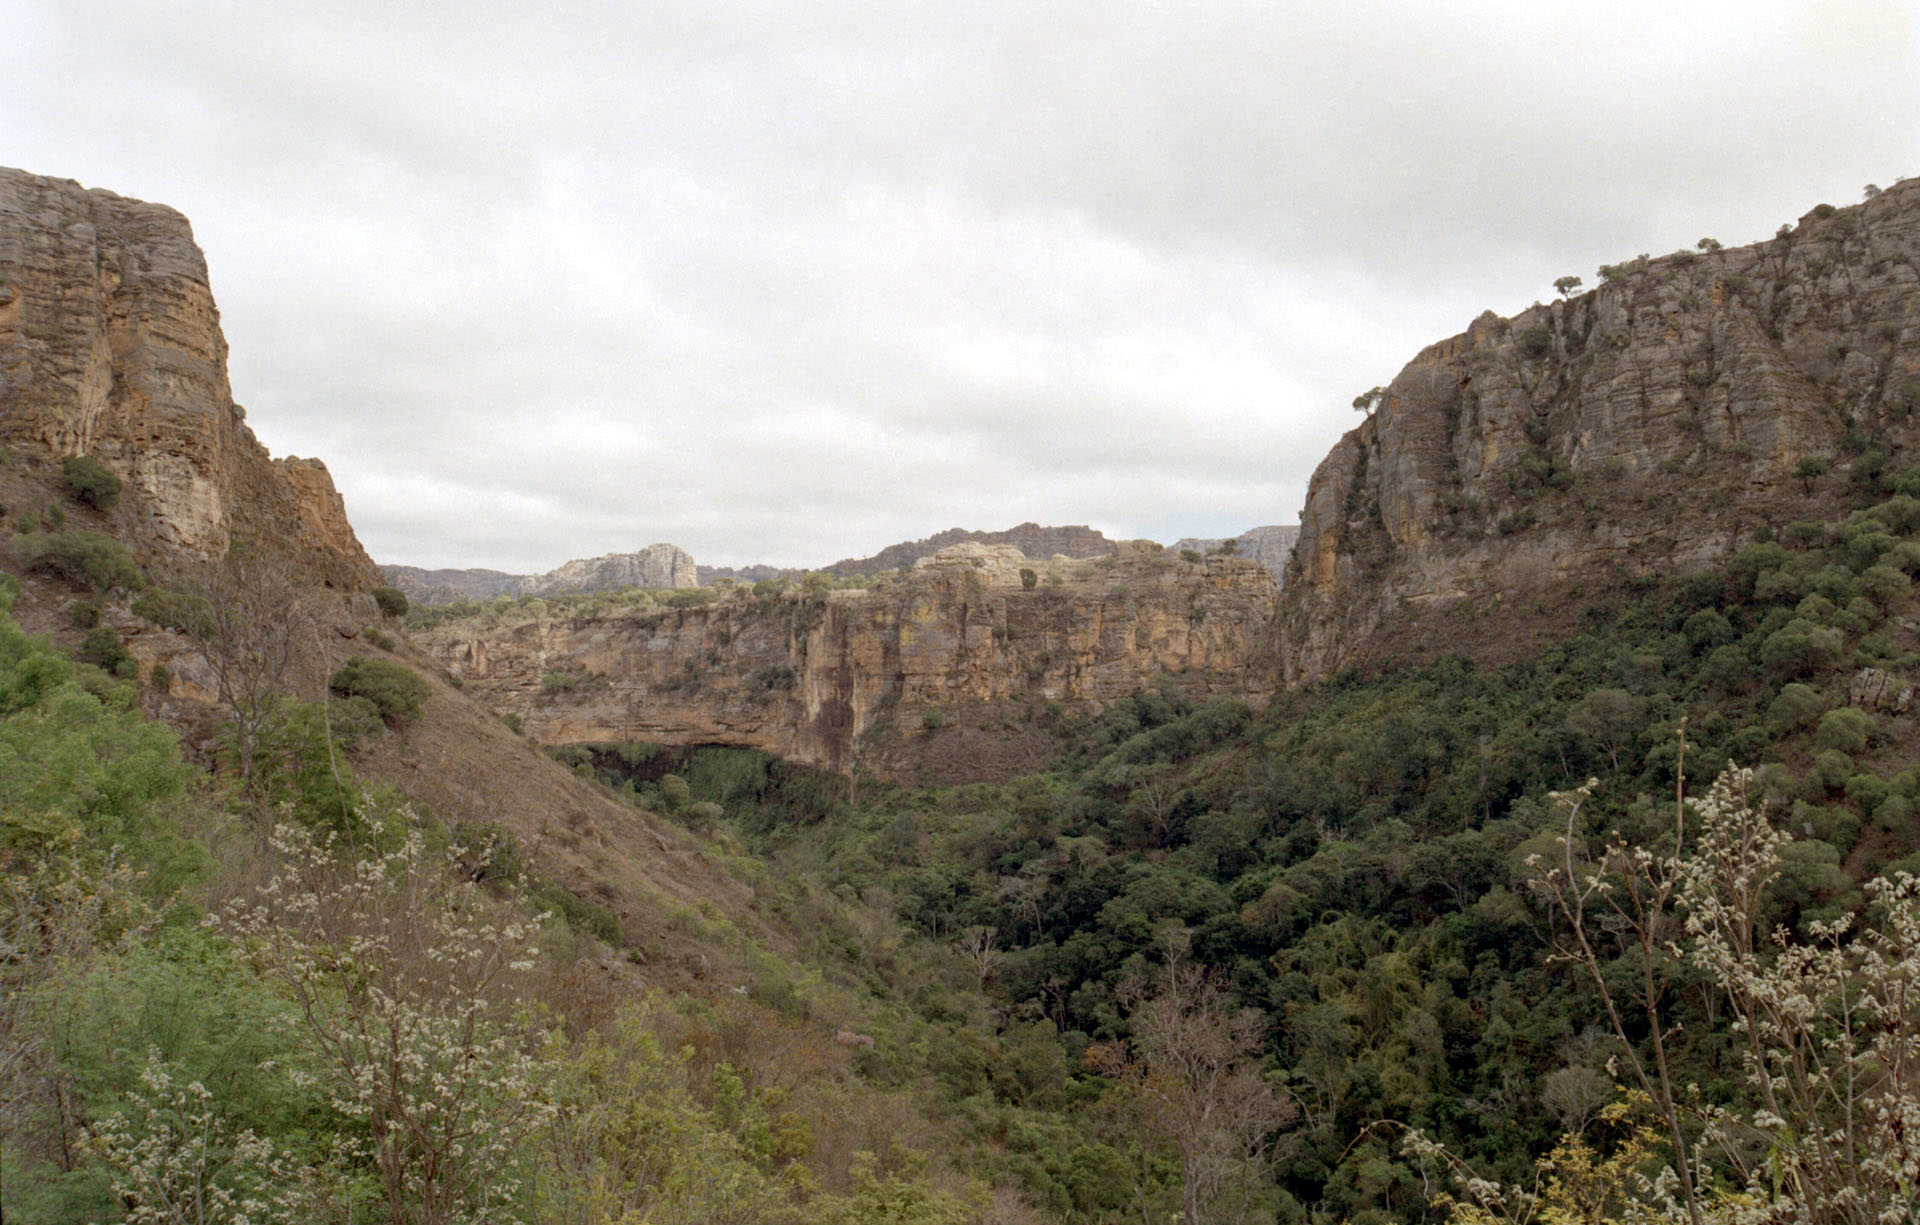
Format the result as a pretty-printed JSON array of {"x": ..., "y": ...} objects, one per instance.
[
  {"x": 102, "y": 648},
  {"x": 160, "y": 679},
  {"x": 83, "y": 614},
  {"x": 392, "y": 601},
  {"x": 1847, "y": 729},
  {"x": 1798, "y": 649},
  {"x": 1796, "y": 707},
  {"x": 396, "y": 692},
  {"x": 89, "y": 483},
  {"x": 91, "y": 560},
  {"x": 186, "y": 613}
]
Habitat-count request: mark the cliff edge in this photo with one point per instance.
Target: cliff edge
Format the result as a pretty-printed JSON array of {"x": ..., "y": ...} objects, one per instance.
[
  {"x": 110, "y": 346},
  {"x": 1640, "y": 431}
]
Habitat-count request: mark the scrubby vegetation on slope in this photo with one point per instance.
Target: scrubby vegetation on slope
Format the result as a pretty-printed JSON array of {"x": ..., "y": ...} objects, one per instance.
[{"x": 1358, "y": 864}]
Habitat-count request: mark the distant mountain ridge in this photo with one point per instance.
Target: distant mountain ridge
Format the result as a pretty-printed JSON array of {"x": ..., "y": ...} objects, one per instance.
[
  {"x": 1078, "y": 541},
  {"x": 656, "y": 566},
  {"x": 664, "y": 565}
]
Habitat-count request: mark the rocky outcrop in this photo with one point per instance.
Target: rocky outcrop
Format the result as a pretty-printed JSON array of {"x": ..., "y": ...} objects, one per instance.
[
  {"x": 655, "y": 567},
  {"x": 1030, "y": 539},
  {"x": 1272, "y": 547},
  {"x": 110, "y": 346},
  {"x": 1645, "y": 429},
  {"x": 824, "y": 677}
]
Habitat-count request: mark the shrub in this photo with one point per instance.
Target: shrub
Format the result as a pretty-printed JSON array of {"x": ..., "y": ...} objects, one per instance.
[
  {"x": 89, "y": 483},
  {"x": 1798, "y": 649},
  {"x": 1029, "y": 580},
  {"x": 579, "y": 914},
  {"x": 1796, "y": 707},
  {"x": 1535, "y": 341},
  {"x": 391, "y": 600},
  {"x": 396, "y": 692},
  {"x": 174, "y": 610},
  {"x": 514, "y": 723},
  {"x": 91, "y": 560},
  {"x": 1847, "y": 729},
  {"x": 102, "y": 648},
  {"x": 160, "y": 678},
  {"x": 84, "y": 614}
]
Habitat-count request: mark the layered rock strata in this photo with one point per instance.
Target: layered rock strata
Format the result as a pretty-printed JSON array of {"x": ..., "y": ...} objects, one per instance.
[
  {"x": 813, "y": 677},
  {"x": 110, "y": 346}
]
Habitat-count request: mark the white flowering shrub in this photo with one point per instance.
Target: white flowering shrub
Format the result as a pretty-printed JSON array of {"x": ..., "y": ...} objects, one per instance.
[
  {"x": 175, "y": 1162},
  {"x": 1827, "y": 1028},
  {"x": 402, "y": 977}
]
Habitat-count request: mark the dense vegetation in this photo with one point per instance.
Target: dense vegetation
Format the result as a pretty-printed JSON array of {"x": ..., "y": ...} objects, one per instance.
[
  {"x": 1333, "y": 923},
  {"x": 1354, "y": 863}
]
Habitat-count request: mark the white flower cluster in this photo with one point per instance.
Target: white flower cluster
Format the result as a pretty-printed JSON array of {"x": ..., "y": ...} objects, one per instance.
[
  {"x": 401, "y": 973},
  {"x": 174, "y": 1162}
]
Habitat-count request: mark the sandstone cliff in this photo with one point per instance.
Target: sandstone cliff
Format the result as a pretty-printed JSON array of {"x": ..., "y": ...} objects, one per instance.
[
  {"x": 1029, "y": 538},
  {"x": 827, "y": 678},
  {"x": 658, "y": 566},
  {"x": 1272, "y": 547},
  {"x": 654, "y": 567},
  {"x": 110, "y": 346},
  {"x": 1644, "y": 429}
]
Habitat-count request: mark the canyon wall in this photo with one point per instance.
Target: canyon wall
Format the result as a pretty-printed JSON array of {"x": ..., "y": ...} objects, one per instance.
[
  {"x": 110, "y": 346},
  {"x": 1640, "y": 431},
  {"x": 817, "y": 677}
]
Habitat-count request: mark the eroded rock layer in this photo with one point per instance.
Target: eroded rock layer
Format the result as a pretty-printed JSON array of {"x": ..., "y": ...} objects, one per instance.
[{"x": 817, "y": 678}]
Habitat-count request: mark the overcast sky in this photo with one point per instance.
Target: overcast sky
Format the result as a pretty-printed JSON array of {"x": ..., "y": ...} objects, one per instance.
[{"x": 789, "y": 282}]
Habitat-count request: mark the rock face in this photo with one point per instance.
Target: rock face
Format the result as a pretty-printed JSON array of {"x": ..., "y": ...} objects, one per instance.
[
  {"x": 445, "y": 586},
  {"x": 656, "y": 566},
  {"x": 110, "y": 346},
  {"x": 1272, "y": 547},
  {"x": 1030, "y": 539},
  {"x": 820, "y": 678},
  {"x": 1647, "y": 428}
]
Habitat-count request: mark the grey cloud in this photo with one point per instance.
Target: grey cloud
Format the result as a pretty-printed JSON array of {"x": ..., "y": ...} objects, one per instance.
[{"x": 788, "y": 282}]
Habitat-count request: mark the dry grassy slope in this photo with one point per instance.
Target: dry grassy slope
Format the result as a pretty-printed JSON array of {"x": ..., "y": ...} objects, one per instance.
[{"x": 458, "y": 760}]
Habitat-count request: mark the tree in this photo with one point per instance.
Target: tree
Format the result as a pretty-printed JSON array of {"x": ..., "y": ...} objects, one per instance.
[
  {"x": 1199, "y": 1077},
  {"x": 1611, "y": 718},
  {"x": 391, "y": 601},
  {"x": 402, "y": 974},
  {"x": 1566, "y": 285},
  {"x": 250, "y": 619},
  {"x": 1367, "y": 400},
  {"x": 1622, "y": 906}
]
